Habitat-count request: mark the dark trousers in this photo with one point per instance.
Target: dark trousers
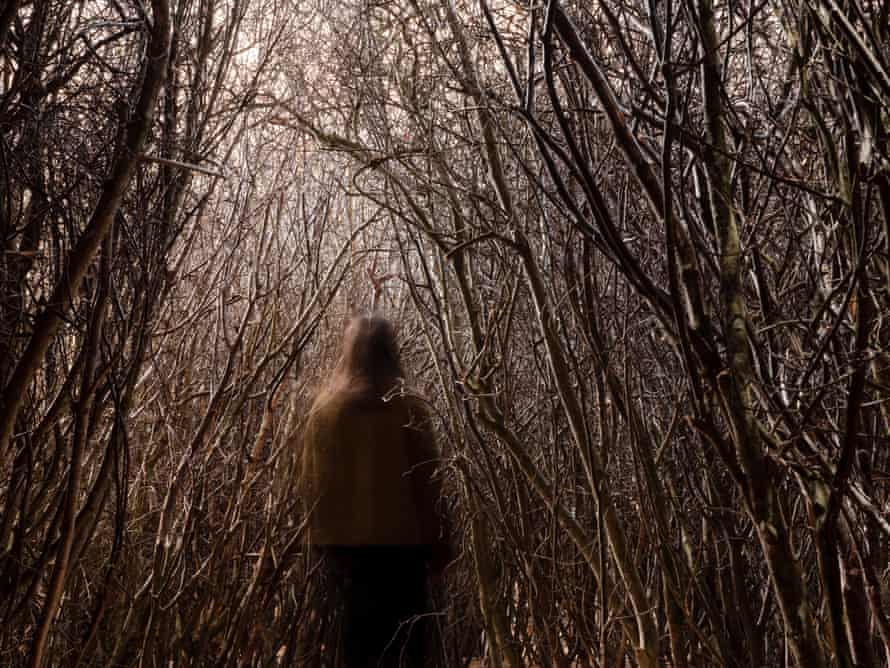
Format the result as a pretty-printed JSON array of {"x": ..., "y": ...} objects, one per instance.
[{"x": 381, "y": 603}]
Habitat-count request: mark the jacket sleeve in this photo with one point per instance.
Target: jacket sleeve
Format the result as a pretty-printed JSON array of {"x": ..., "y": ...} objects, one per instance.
[
  {"x": 427, "y": 486},
  {"x": 307, "y": 474}
]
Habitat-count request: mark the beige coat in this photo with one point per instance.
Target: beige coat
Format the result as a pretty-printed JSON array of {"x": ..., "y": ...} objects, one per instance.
[{"x": 367, "y": 473}]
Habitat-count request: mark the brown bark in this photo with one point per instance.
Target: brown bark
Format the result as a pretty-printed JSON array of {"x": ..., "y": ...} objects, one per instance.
[
  {"x": 83, "y": 409},
  {"x": 761, "y": 476}
]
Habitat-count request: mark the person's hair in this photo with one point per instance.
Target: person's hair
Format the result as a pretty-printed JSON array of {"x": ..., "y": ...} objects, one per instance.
[{"x": 369, "y": 364}]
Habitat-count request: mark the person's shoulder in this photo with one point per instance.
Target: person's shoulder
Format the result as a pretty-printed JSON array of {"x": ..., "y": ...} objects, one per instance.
[
  {"x": 415, "y": 409},
  {"x": 399, "y": 398},
  {"x": 344, "y": 404},
  {"x": 326, "y": 407}
]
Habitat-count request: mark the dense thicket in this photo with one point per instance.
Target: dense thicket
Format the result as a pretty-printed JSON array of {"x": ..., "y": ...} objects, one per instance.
[{"x": 639, "y": 254}]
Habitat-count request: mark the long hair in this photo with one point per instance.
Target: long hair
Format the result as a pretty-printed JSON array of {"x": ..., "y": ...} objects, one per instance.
[{"x": 369, "y": 365}]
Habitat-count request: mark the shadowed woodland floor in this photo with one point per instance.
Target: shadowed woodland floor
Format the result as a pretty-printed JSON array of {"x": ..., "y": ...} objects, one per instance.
[{"x": 638, "y": 254}]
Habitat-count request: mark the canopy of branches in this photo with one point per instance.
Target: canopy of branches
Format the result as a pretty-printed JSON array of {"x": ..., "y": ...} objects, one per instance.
[{"x": 638, "y": 254}]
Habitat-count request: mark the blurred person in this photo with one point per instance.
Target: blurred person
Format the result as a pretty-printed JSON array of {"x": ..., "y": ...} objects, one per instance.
[{"x": 368, "y": 480}]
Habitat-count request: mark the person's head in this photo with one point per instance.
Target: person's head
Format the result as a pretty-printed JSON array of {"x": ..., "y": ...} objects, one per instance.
[{"x": 369, "y": 357}]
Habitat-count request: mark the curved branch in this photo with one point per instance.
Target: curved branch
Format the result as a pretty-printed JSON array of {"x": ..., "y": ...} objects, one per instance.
[{"x": 84, "y": 252}]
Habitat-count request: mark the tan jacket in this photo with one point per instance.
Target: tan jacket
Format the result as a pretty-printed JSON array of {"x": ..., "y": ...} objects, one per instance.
[{"x": 367, "y": 473}]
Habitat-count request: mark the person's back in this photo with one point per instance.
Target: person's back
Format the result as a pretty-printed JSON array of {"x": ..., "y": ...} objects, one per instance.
[
  {"x": 367, "y": 479},
  {"x": 367, "y": 469}
]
